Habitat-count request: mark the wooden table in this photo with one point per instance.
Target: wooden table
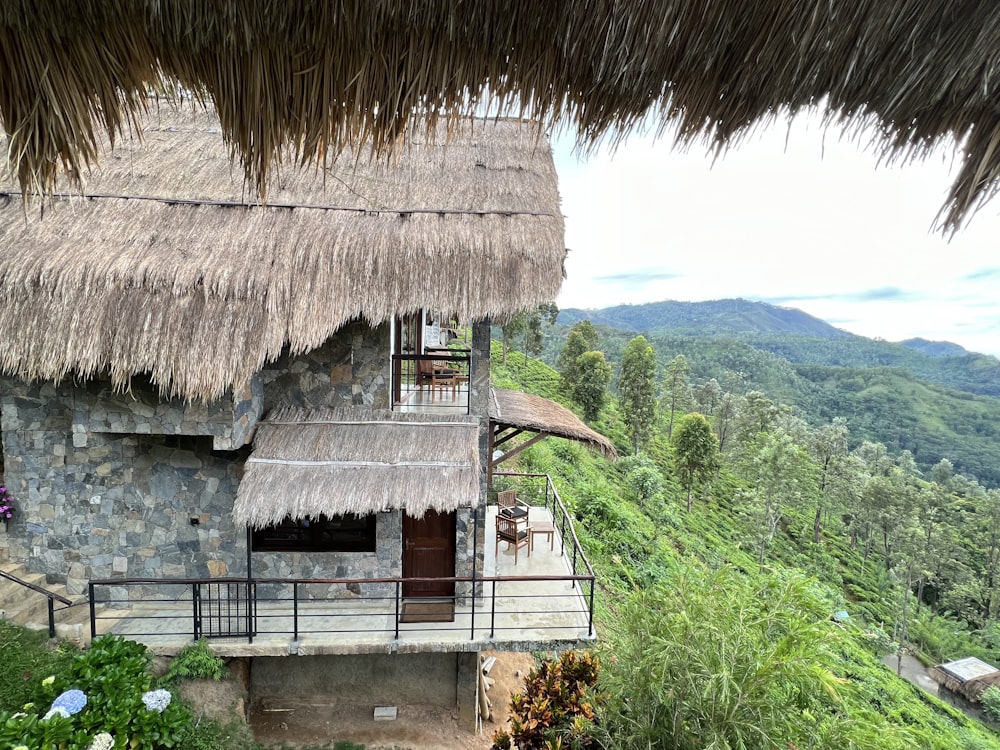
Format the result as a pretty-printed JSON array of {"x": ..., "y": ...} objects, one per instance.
[{"x": 541, "y": 528}]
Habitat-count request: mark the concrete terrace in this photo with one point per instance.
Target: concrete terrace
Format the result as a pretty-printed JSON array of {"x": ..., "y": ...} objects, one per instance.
[{"x": 530, "y": 606}]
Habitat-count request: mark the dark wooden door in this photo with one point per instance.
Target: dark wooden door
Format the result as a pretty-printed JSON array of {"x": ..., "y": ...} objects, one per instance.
[{"x": 429, "y": 552}]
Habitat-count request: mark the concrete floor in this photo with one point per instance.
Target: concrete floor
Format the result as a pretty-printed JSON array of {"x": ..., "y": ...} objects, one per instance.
[{"x": 546, "y": 612}]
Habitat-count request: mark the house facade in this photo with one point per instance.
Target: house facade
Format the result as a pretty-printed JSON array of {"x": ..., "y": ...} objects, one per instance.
[{"x": 199, "y": 388}]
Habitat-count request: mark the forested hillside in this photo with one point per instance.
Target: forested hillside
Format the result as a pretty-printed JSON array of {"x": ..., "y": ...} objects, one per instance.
[
  {"x": 754, "y": 569},
  {"x": 933, "y": 399}
]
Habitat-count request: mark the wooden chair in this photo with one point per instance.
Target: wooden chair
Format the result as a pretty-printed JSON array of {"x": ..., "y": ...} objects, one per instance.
[
  {"x": 509, "y": 506},
  {"x": 509, "y": 530}
]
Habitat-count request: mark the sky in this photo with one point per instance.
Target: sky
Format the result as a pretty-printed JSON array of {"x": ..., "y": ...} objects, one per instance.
[{"x": 797, "y": 216}]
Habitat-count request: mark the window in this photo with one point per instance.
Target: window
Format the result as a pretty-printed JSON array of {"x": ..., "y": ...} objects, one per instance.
[{"x": 345, "y": 533}]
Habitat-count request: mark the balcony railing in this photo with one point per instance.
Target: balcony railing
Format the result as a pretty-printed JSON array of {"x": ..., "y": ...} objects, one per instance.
[
  {"x": 433, "y": 382},
  {"x": 529, "y": 608}
]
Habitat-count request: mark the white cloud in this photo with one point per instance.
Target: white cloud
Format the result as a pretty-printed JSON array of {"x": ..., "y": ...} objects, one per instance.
[{"x": 818, "y": 225}]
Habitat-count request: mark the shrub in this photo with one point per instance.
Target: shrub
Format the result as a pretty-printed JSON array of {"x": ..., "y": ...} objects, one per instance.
[
  {"x": 556, "y": 707},
  {"x": 102, "y": 690},
  {"x": 195, "y": 662}
]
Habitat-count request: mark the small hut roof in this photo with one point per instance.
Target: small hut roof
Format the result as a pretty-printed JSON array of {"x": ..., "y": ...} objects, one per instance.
[
  {"x": 170, "y": 265},
  {"x": 333, "y": 461},
  {"x": 527, "y": 411},
  {"x": 318, "y": 75}
]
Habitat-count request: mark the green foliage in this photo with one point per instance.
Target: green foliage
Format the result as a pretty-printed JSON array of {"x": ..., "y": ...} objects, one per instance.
[
  {"x": 991, "y": 702},
  {"x": 113, "y": 676},
  {"x": 27, "y": 658},
  {"x": 593, "y": 375},
  {"x": 637, "y": 391},
  {"x": 556, "y": 707},
  {"x": 694, "y": 451},
  {"x": 581, "y": 338},
  {"x": 642, "y": 477},
  {"x": 195, "y": 662},
  {"x": 650, "y": 546}
]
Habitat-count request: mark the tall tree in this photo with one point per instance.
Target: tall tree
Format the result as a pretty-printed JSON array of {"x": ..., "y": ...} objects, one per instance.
[
  {"x": 637, "y": 390},
  {"x": 593, "y": 378},
  {"x": 783, "y": 475},
  {"x": 527, "y": 325},
  {"x": 829, "y": 449},
  {"x": 677, "y": 392},
  {"x": 694, "y": 451},
  {"x": 582, "y": 337}
]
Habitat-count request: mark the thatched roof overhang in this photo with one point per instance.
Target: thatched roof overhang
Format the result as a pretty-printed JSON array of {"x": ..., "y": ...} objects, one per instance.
[
  {"x": 326, "y": 462},
  {"x": 168, "y": 266},
  {"x": 513, "y": 413},
  {"x": 316, "y": 75}
]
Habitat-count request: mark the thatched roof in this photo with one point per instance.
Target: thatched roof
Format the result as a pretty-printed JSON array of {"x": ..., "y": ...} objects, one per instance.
[
  {"x": 526, "y": 411},
  {"x": 318, "y": 75},
  {"x": 314, "y": 462},
  {"x": 170, "y": 266},
  {"x": 968, "y": 677}
]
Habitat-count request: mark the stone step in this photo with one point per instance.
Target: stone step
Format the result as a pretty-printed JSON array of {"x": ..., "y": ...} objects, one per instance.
[{"x": 29, "y": 608}]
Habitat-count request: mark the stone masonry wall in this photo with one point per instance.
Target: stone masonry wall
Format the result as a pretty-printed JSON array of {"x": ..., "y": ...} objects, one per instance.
[{"x": 96, "y": 503}]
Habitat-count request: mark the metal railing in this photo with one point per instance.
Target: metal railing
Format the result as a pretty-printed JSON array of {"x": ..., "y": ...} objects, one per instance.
[
  {"x": 538, "y": 489},
  {"x": 507, "y": 607},
  {"x": 50, "y": 595},
  {"x": 431, "y": 385},
  {"x": 366, "y": 609}
]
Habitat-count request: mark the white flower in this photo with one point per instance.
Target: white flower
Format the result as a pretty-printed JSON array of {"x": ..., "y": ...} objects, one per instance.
[
  {"x": 55, "y": 710},
  {"x": 102, "y": 741},
  {"x": 156, "y": 700}
]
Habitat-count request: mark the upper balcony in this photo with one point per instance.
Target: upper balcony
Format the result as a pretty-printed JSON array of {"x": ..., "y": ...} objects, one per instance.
[
  {"x": 433, "y": 383},
  {"x": 537, "y": 597}
]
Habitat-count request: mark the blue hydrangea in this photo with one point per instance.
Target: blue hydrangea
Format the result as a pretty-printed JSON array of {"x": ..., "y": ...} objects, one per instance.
[
  {"x": 72, "y": 701},
  {"x": 156, "y": 700}
]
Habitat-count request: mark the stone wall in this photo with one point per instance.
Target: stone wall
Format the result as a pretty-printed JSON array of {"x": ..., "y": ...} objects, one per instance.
[
  {"x": 103, "y": 505},
  {"x": 107, "y": 484},
  {"x": 111, "y": 485},
  {"x": 351, "y": 369}
]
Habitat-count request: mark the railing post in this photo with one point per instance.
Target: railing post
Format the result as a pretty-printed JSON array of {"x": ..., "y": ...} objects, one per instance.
[
  {"x": 251, "y": 611},
  {"x": 493, "y": 609},
  {"x": 52, "y": 617},
  {"x": 590, "y": 620},
  {"x": 398, "y": 584},
  {"x": 93, "y": 611},
  {"x": 196, "y": 610},
  {"x": 472, "y": 620},
  {"x": 295, "y": 611},
  {"x": 574, "y": 565}
]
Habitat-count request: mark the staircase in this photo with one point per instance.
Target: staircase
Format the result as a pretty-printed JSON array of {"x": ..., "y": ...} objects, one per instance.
[{"x": 29, "y": 608}]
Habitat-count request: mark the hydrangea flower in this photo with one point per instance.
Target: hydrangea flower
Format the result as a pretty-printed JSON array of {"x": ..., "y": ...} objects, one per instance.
[
  {"x": 72, "y": 701},
  {"x": 20, "y": 747},
  {"x": 102, "y": 741},
  {"x": 156, "y": 700},
  {"x": 49, "y": 680},
  {"x": 54, "y": 711}
]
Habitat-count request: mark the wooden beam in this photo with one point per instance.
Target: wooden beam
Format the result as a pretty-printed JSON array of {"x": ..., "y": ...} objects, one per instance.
[{"x": 518, "y": 449}]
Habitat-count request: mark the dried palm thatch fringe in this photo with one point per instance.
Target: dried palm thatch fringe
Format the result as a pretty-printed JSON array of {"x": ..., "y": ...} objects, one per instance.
[
  {"x": 530, "y": 412},
  {"x": 329, "y": 461},
  {"x": 316, "y": 75},
  {"x": 201, "y": 295}
]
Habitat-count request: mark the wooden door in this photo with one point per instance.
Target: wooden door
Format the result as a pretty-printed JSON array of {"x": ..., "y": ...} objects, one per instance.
[{"x": 429, "y": 552}]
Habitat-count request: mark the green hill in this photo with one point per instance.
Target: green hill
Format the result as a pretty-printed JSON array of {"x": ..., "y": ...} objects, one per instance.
[
  {"x": 691, "y": 626},
  {"x": 932, "y": 398}
]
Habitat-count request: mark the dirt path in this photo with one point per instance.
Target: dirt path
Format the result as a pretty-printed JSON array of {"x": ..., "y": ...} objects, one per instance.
[
  {"x": 912, "y": 671},
  {"x": 415, "y": 727}
]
